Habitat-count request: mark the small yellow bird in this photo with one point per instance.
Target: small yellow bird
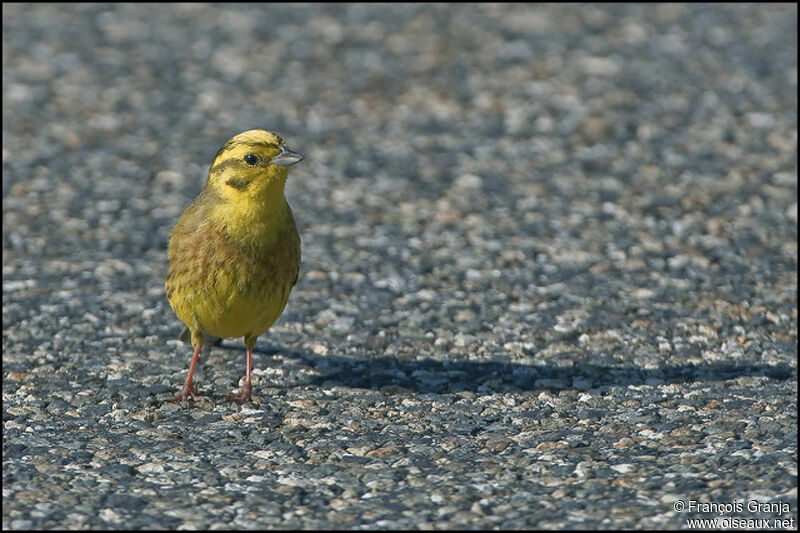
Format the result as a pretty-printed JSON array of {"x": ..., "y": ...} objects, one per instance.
[{"x": 234, "y": 253}]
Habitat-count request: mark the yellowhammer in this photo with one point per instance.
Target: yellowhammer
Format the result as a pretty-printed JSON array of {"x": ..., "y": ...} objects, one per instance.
[{"x": 234, "y": 254}]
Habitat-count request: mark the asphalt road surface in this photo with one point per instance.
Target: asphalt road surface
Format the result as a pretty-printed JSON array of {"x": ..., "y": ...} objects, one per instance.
[{"x": 549, "y": 270}]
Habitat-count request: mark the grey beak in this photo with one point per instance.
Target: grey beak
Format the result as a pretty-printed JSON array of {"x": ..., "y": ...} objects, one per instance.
[{"x": 286, "y": 157}]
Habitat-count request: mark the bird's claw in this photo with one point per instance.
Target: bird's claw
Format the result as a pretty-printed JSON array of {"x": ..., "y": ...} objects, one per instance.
[
  {"x": 186, "y": 394},
  {"x": 243, "y": 396}
]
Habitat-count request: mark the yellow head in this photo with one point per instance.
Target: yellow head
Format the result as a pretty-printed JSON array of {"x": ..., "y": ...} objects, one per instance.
[{"x": 251, "y": 166}]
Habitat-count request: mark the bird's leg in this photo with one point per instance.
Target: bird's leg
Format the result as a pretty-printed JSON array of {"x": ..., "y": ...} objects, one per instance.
[
  {"x": 244, "y": 395},
  {"x": 189, "y": 391}
]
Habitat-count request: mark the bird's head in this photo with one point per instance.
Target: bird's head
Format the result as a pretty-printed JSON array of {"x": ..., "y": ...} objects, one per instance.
[{"x": 251, "y": 164}]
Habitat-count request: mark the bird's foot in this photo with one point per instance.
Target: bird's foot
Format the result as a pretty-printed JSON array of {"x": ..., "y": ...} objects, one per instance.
[
  {"x": 244, "y": 395},
  {"x": 187, "y": 393}
]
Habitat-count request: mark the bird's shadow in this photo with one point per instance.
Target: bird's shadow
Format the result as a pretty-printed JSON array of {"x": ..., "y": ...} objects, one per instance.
[{"x": 391, "y": 374}]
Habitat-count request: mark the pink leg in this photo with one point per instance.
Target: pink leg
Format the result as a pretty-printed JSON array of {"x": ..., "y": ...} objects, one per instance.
[
  {"x": 189, "y": 390},
  {"x": 244, "y": 395}
]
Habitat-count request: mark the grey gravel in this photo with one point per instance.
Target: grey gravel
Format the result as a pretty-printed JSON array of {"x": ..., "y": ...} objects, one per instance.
[{"x": 549, "y": 266}]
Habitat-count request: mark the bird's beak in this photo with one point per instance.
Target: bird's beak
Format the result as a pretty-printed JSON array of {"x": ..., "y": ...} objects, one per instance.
[{"x": 286, "y": 157}]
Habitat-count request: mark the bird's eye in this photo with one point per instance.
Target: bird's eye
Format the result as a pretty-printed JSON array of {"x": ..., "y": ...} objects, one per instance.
[{"x": 251, "y": 159}]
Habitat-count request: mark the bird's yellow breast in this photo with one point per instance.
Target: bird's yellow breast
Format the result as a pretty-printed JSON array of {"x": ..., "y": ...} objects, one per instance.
[{"x": 239, "y": 272}]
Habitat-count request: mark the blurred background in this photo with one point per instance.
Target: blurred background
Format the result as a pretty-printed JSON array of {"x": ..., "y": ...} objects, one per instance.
[
  {"x": 584, "y": 187},
  {"x": 449, "y": 147}
]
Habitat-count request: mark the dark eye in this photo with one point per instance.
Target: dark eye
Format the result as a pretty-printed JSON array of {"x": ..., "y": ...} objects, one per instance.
[{"x": 251, "y": 159}]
